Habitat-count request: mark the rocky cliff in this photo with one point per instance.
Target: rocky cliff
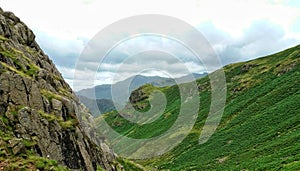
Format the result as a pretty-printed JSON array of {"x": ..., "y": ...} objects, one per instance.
[{"x": 39, "y": 113}]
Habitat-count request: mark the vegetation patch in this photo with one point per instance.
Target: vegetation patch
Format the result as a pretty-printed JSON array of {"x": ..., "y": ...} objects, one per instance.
[
  {"x": 71, "y": 123},
  {"x": 24, "y": 69},
  {"x": 50, "y": 95},
  {"x": 25, "y": 160},
  {"x": 15, "y": 70},
  {"x": 64, "y": 92},
  {"x": 129, "y": 165},
  {"x": 49, "y": 117},
  {"x": 30, "y": 162},
  {"x": 3, "y": 38}
]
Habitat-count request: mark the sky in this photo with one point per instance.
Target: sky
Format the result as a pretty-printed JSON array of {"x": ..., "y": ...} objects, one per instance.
[{"x": 237, "y": 30}]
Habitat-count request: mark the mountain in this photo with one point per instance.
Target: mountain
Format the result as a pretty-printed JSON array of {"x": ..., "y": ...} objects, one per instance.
[
  {"x": 104, "y": 91},
  {"x": 259, "y": 129},
  {"x": 103, "y": 94},
  {"x": 43, "y": 126},
  {"x": 134, "y": 82},
  {"x": 187, "y": 78},
  {"x": 98, "y": 106}
]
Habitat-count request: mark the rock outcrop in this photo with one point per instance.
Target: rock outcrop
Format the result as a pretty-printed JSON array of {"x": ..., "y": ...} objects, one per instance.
[{"x": 39, "y": 113}]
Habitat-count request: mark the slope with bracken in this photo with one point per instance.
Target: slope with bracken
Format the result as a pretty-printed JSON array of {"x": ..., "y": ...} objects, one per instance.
[{"x": 259, "y": 129}]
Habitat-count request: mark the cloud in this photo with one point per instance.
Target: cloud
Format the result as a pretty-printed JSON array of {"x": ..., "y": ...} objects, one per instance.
[
  {"x": 146, "y": 63},
  {"x": 64, "y": 51},
  {"x": 261, "y": 38},
  {"x": 237, "y": 30}
]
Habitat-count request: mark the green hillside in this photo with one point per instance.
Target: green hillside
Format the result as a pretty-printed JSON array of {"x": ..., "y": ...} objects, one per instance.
[{"x": 260, "y": 127}]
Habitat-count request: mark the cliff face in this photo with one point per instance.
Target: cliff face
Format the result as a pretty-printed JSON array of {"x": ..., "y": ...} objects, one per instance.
[{"x": 39, "y": 113}]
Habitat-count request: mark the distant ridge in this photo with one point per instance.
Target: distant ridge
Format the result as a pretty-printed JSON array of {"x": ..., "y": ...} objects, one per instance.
[{"x": 104, "y": 102}]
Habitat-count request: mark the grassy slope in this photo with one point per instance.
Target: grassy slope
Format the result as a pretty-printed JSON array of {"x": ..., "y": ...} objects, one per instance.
[{"x": 260, "y": 128}]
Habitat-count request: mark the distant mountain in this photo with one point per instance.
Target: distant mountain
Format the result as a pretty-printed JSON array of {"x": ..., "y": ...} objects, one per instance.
[
  {"x": 97, "y": 106},
  {"x": 121, "y": 96},
  {"x": 187, "y": 78},
  {"x": 104, "y": 91}
]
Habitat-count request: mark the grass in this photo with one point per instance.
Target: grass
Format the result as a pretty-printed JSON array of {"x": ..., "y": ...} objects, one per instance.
[
  {"x": 64, "y": 92},
  {"x": 50, "y": 95},
  {"x": 49, "y": 117},
  {"x": 23, "y": 161},
  {"x": 3, "y": 38},
  {"x": 15, "y": 70},
  {"x": 260, "y": 127},
  {"x": 28, "y": 143},
  {"x": 23, "y": 65},
  {"x": 129, "y": 165},
  {"x": 71, "y": 123},
  {"x": 30, "y": 162}
]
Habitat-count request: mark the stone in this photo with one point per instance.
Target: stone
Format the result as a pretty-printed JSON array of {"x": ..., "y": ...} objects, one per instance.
[
  {"x": 19, "y": 148},
  {"x": 56, "y": 104},
  {"x": 247, "y": 67},
  {"x": 2, "y": 143}
]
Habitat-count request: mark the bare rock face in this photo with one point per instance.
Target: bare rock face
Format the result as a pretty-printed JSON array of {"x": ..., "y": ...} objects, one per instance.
[{"x": 38, "y": 107}]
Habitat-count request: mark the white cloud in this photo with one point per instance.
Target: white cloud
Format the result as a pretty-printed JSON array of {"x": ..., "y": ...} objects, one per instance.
[
  {"x": 66, "y": 17},
  {"x": 233, "y": 16},
  {"x": 237, "y": 29}
]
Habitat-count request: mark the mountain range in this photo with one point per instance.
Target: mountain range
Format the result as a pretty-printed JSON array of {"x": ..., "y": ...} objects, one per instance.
[
  {"x": 134, "y": 82},
  {"x": 103, "y": 101}
]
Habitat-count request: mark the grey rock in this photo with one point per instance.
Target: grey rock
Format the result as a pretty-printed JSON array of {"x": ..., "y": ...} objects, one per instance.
[
  {"x": 2, "y": 143},
  {"x": 19, "y": 148},
  {"x": 14, "y": 142},
  {"x": 41, "y": 107}
]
